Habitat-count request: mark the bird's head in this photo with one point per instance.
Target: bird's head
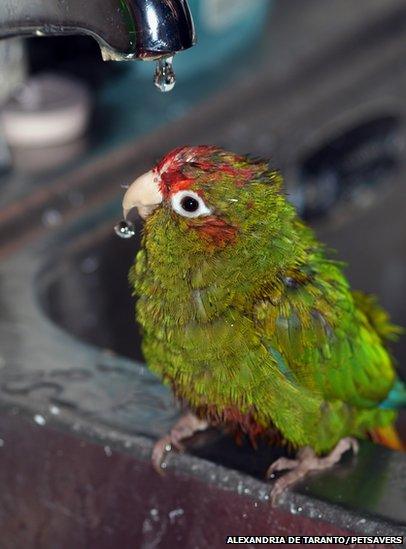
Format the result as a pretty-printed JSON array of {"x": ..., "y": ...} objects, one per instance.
[{"x": 207, "y": 199}]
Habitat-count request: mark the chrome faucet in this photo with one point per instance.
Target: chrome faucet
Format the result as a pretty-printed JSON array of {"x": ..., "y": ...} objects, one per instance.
[{"x": 124, "y": 29}]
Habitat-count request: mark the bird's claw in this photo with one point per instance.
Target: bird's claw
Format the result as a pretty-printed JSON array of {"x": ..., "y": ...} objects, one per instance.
[
  {"x": 305, "y": 463},
  {"x": 162, "y": 447},
  {"x": 281, "y": 464},
  {"x": 184, "y": 428}
]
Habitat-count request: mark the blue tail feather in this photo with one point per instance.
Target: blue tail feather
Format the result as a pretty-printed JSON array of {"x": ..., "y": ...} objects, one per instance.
[{"x": 396, "y": 398}]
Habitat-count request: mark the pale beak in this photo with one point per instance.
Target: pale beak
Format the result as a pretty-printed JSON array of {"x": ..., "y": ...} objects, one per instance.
[{"x": 143, "y": 194}]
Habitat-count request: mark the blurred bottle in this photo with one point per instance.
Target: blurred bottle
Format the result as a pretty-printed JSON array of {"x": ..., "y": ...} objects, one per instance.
[
  {"x": 13, "y": 71},
  {"x": 12, "y": 67}
]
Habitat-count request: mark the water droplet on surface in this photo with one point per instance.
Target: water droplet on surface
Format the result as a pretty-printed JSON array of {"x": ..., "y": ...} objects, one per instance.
[
  {"x": 175, "y": 513},
  {"x": 147, "y": 526},
  {"x": 164, "y": 78},
  {"x": 124, "y": 229},
  {"x": 89, "y": 265},
  {"x": 76, "y": 198},
  {"x": 40, "y": 420},
  {"x": 54, "y": 410},
  {"x": 51, "y": 218}
]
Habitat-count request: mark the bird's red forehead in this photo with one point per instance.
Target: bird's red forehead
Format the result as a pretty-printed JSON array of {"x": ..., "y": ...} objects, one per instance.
[
  {"x": 173, "y": 180},
  {"x": 202, "y": 154},
  {"x": 170, "y": 169},
  {"x": 172, "y": 174}
]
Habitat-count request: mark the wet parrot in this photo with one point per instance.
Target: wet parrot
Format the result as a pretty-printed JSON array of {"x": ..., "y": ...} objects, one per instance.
[{"x": 247, "y": 318}]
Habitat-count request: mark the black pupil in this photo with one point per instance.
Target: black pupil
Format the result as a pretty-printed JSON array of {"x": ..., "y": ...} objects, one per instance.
[{"x": 189, "y": 204}]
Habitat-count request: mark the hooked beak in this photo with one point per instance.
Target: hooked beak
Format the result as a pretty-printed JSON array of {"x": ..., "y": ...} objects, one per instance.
[{"x": 143, "y": 194}]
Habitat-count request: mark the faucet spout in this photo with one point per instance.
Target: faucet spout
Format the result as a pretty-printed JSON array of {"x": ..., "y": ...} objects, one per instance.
[{"x": 124, "y": 29}]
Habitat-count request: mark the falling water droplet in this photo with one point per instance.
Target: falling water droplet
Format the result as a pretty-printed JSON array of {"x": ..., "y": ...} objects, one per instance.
[
  {"x": 124, "y": 229},
  {"x": 164, "y": 78}
]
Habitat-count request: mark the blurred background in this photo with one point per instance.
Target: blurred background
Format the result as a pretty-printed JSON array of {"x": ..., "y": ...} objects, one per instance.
[{"x": 316, "y": 87}]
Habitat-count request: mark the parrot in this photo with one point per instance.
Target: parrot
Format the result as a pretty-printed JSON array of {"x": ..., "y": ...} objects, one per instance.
[{"x": 250, "y": 322}]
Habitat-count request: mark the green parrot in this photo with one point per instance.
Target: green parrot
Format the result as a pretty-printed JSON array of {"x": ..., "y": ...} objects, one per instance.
[{"x": 247, "y": 319}]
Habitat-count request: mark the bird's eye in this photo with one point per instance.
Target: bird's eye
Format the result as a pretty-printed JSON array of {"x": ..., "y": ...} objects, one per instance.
[{"x": 189, "y": 204}]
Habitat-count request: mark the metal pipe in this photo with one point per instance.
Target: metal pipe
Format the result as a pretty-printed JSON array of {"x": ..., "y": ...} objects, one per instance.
[{"x": 124, "y": 29}]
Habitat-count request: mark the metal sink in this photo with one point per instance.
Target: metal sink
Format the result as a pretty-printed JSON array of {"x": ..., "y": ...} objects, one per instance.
[{"x": 80, "y": 410}]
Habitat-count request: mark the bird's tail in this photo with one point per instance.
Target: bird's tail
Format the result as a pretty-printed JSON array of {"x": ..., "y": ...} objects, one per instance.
[
  {"x": 396, "y": 398},
  {"x": 388, "y": 436}
]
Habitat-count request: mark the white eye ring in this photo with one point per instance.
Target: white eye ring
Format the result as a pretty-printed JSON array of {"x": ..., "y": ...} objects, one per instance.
[{"x": 195, "y": 208}]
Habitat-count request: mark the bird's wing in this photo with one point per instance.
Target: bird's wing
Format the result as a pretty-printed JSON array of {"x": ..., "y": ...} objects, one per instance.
[{"x": 322, "y": 338}]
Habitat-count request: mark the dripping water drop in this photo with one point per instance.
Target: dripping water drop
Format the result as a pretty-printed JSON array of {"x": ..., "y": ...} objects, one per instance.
[
  {"x": 124, "y": 229},
  {"x": 164, "y": 78}
]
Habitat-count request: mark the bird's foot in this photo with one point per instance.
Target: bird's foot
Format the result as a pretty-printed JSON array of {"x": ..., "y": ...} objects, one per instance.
[
  {"x": 184, "y": 428},
  {"x": 306, "y": 461}
]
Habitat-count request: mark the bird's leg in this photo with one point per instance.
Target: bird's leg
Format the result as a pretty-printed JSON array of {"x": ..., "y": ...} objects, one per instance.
[
  {"x": 306, "y": 461},
  {"x": 184, "y": 428}
]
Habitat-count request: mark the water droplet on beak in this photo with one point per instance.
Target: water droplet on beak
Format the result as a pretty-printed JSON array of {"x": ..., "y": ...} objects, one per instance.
[
  {"x": 164, "y": 78},
  {"x": 124, "y": 229}
]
